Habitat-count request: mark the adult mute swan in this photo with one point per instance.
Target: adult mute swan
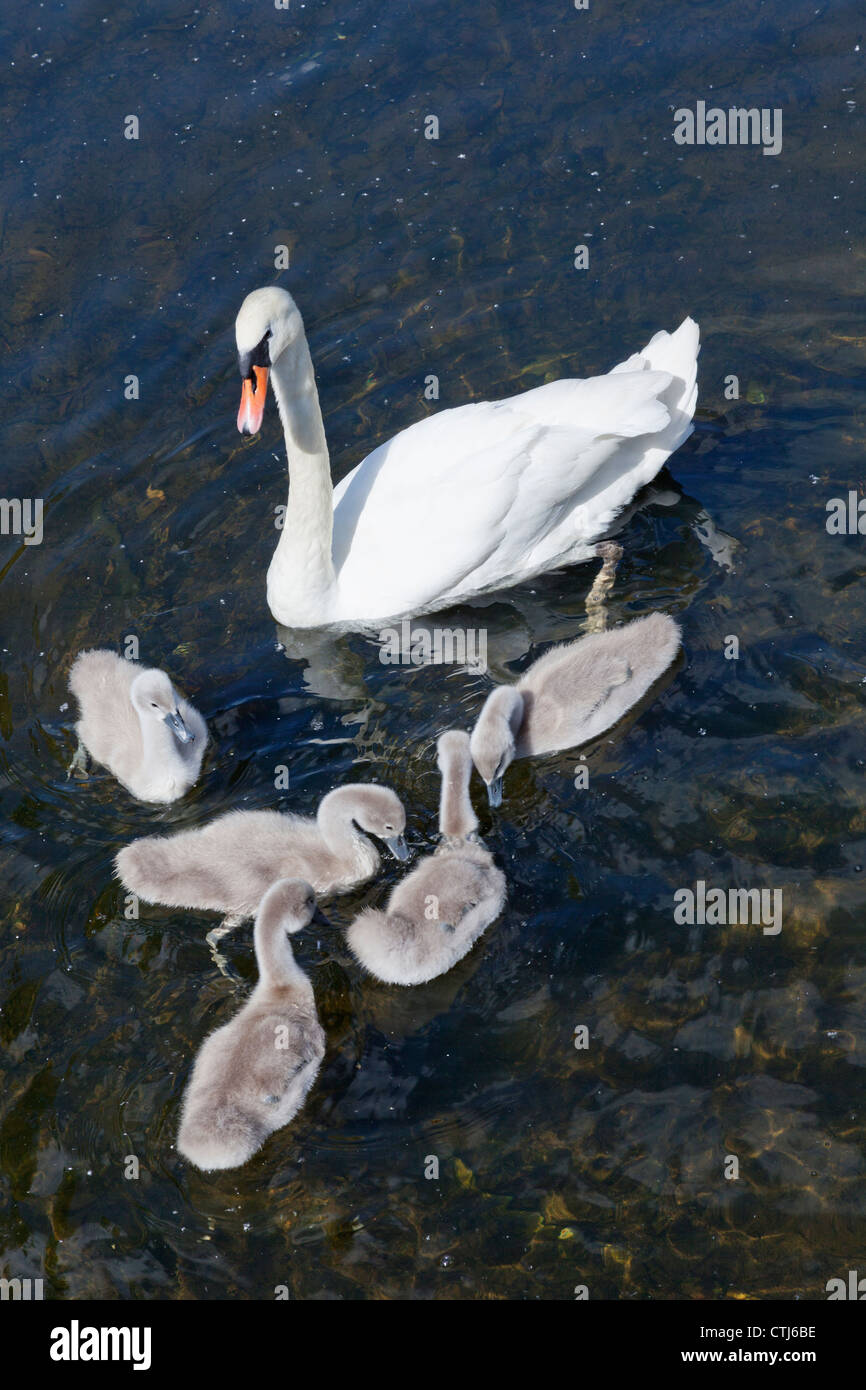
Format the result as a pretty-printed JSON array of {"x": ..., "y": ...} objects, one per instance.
[
  {"x": 462, "y": 503},
  {"x": 252, "y": 1076},
  {"x": 571, "y": 695},
  {"x": 134, "y": 723}
]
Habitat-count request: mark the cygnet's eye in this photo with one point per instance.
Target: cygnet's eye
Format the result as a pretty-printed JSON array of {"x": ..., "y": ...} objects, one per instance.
[
  {"x": 154, "y": 705},
  {"x": 389, "y": 827}
]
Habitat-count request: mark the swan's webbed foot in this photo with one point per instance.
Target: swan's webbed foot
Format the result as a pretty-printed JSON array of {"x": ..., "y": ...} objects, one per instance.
[
  {"x": 228, "y": 924},
  {"x": 78, "y": 767},
  {"x": 610, "y": 554}
]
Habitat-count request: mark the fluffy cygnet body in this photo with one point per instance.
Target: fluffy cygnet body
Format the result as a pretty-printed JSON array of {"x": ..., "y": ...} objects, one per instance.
[
  {"x": 438, "y": 912},
  {"x": 571, "y": 695},
  {"x": 228, "y": 865},
  {"x": 252, "y": 1076},
  {"x": 134, "y": 723}
]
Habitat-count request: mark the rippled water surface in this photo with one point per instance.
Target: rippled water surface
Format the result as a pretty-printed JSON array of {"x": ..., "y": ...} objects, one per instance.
[{"x": 559, "y": 1167}]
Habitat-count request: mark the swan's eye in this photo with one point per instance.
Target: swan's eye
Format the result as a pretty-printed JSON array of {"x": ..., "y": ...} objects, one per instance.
[
  {"x": 154, "y": 705},
  {"x": 259, "y": 357},
  {"x": 389, "y": 827}
]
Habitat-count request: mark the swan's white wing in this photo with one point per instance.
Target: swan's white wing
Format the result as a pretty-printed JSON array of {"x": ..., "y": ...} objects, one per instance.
[{"x": 473, "y": 498}]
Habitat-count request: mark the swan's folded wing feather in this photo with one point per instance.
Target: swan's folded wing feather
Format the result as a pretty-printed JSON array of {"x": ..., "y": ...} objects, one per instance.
[
  {"x": 262, "y": 1050},
  {"x": 625, "y": 405},
  {"x": 427, "y": 508},
  {"x": 462, "y": 500}
]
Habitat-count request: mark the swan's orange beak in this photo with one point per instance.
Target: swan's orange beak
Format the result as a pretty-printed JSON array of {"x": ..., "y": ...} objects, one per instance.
[{"x": 253, "y": 401}]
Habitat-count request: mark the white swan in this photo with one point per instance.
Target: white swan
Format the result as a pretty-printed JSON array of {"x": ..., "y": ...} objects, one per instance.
[
  {"x": 571, "y": 695},
  {"x": 438, "y": 912},
  {"x": 467, "y": 501},
  {"x": 134, "y": 723},
  {"x": 253, "y": 1074}
]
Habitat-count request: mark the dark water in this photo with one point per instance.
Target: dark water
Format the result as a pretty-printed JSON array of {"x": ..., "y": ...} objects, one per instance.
[{"x": 559, "y": 1167}]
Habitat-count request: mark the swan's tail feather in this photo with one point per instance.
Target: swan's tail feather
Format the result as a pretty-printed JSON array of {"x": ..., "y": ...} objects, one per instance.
[
  {"x": 376, "y": 939},
  {"x": 609, "y": 407},
  {"x": 649, "y": 644},
  {"x": 160, "y": 869},
  {"x": 224, "y": 1138},
  {"x": 92, "y": 672},
  {"x": 677, "y": 354}
]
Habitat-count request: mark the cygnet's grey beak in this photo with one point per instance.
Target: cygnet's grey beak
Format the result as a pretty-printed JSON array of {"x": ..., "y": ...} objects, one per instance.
[
  {"x": 398, "y": 847},
  {"x": 178, "y": 728},
  {"x": 494, "y": 792},
  {"x": 320, "y": 918}
]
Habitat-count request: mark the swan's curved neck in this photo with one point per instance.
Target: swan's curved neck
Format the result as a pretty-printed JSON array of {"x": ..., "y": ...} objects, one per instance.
[
  {"x": 160, "y": 755},
  {"x": 457, "y": 820},
  {"x": 338, "y": 829},
  {"x": 301, "y": 576},
  {"x": 511, "y": 706},
  {"x": 274, "y": 956}
]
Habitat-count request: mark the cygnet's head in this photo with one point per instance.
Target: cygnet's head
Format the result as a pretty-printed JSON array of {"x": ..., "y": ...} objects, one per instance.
[
  {"x": 379, "y": 812},
  {"x": 290, "y": 903},
  {"x": 154, "y": 697},
  {"x": 268, "y": 322},
  {"x": 493, "y": 739}
]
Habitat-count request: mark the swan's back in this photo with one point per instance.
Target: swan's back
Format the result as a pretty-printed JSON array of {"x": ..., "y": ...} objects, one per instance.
[
  {"x": 508, "y": 488},
  {"x": 576, "y": 691},
  {"x": 434, "y": 917}
]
